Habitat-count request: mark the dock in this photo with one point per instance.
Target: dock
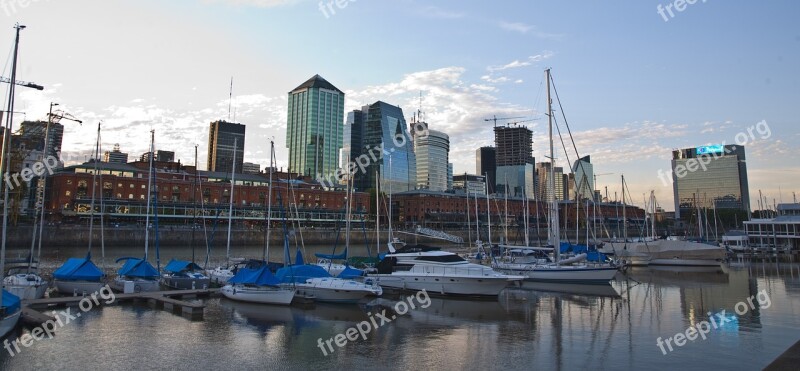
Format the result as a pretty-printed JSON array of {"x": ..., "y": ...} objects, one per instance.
[
  {"x": 786, "y": 361},
  {"x": 166, "y": 300}
]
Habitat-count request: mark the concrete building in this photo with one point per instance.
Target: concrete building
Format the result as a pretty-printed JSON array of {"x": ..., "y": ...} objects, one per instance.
[
  {"x": 708, "y": 177},
  {"x": 115, "y": 156},
  {"x": 584, "y": 177},
  {"x": 543, "y": 182},
  {"x": 223, "y": 136},
  {"x": 514, "y": 160},
  {"x": 468, "y": 183},
  {"x": 251, "y": 168},
  {"x": 161, "y": 156},
  {"x": 315, "y": 128},
  {"x": 433, "y": 156},
  {"x": 779, "y": 233}
]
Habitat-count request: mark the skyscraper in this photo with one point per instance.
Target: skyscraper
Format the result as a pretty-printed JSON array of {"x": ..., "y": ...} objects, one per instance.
[
  {"x": 35, "y": 131},
  {"x": 486, "y": 164},
  {"x": 543, "y": 180},
  {"x": 315, "y": 128},
  {"x": 515, "y": 162},
  {"x": 116, "y": 156},
  {"x": 584, "y": 177},
  {"x": 710, "y": 176},
  {"x": 433, "y": 156},
  {"x": 222, "y": 136},
  {"x": 381, "y": 125}
]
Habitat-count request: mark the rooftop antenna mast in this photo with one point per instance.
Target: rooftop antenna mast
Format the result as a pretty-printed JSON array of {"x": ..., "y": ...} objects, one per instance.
[
  {"x": 419, "y": 110},
  {"x": 230, "y": 99}
]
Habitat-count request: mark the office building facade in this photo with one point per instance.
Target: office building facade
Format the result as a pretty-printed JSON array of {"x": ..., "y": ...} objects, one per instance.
[
  {"x": 116, "y": 156},
  {"x": 514, "y": 160},
  {"x": 433, "y": 156},
  {"x": 708, "y": 177},
  {"x": 223, "y": 136},
  {"x": 486, "y": 164},
  {"x": 584, "y": 177},
  {"x": 315, "y": 130}
]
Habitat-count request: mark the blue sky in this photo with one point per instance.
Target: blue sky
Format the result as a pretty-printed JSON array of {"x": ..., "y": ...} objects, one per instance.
[{"x": 633, "y": 86}]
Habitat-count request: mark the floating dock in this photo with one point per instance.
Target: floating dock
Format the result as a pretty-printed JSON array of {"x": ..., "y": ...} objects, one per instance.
[{"x": 166, "y": 300}]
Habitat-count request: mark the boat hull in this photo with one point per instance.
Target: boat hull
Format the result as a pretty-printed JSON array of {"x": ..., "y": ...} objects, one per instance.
[
  {"x": 76, "y": 288},
  {"x": 139, "y": 284},
  {"x": 444, "y": 285},
  {"x": 186, "y": 283},
  {"x": 220, "y": 276},
  {"x": 261, "y": 295},
  {"x": 563, "y": 274},
  {"x": 8, "y": 323},
  {"x": 333, "y": 290},
  {"x": 26, "y": 286}
]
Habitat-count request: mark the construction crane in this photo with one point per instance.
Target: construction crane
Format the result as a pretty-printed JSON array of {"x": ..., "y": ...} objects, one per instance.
[
  {"x": 494, "y": 118},
  {"x": 56, "y": 117},
  {"x": 519, "y": 122},
  {"x": 22, "y": 83}
]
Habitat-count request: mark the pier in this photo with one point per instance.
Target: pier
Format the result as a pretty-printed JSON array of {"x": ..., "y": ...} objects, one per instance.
[{"x": 166, "y": 300}]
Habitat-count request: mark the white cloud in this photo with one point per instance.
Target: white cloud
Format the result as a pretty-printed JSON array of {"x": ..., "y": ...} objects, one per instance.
[
  {"x": 515, "y": 26},
  {"x": 255, "y": 3}
]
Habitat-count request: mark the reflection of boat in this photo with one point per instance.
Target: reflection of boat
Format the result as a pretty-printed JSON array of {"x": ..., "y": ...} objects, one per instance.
[
  {"x": 257, "y": 314},
  {"x": 446, "y": 311},
  {"x": 570, "y": 288},
  {"x": 679, "y": 276}
]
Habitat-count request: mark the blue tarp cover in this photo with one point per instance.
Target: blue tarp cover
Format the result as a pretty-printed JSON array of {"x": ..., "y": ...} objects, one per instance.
[
  {"x": 259, "y": 277},
  {"x": 177, "y": 266},
  {"x": 11, "y": 302},
  {"x": 349, "y": 273},
  {"x": 299, "y": 258},
  {"x": 341, "y": 256},
  {"x": 300, "y": 273},
  {"x": 591, "y": 254},
  {"x": 79, "y": 269},
  {"x": 138, "y": 268}
]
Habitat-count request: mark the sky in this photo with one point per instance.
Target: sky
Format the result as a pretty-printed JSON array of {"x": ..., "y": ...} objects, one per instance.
[{"x": 633, "y": 83}]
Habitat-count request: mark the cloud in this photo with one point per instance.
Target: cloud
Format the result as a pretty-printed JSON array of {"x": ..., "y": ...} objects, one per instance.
[
  {"x": 255, "y": 3},
  {"x": 515, "y": 26},
  {"x": 517, "y": 63},
  {"x": 436, "y": 12}
]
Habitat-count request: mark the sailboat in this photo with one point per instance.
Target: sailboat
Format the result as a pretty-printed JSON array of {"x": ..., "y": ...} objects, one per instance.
[
  {"x": 564, "y": 271},
  {"x": 327, "y": 261},
  {"x": 220, "y": 275},
  {"x": 10, "y": 308},
  {"x": 139, "y": 275},
  {"x": 78, "y": 276}
]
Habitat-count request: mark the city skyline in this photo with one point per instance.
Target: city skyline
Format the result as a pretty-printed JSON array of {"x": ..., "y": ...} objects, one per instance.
[{"x": 628, "y": 110}]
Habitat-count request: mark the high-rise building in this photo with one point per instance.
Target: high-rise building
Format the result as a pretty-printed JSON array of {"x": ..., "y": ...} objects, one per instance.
[
  {"x": 450, "y": 176},
  {"x": 222, "y": 136},
  {"x": 543, "y": 179},
  {"x": 161, "y": 156},
  {"x": 116, "y": 156},
  {"x": 486, "y": 165},
  {"x": 251, "y": 168},
  {"x": 35, "y": 131},
  {"x": 432, "y": 148},
  {"x": 374, "y": 127},
  {"x": 515, "y": 162},
  {"x": 315, "y": 128},
  {"x": 474, "y": 184},
  {"x": 710, "y": 176},
  {"x": 584, "y": 177}
]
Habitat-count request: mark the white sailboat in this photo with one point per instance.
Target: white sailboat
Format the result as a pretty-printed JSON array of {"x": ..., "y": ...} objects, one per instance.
[
  {"x": 220, "y": 275},
  {"x": 564, "y": 271}
]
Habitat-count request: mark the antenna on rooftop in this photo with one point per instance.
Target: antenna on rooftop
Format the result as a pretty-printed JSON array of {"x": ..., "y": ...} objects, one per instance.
[{"x": 230, "y": 99}]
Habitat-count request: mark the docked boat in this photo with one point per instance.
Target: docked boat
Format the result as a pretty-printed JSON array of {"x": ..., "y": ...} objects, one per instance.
[
  {"x": 26, "y": 286},
  {"x": 314, "y": 281},
  {"x": 137, "y": 275},
  {"x": 257, "y": 286},
  {"x": 184, "y": 275},
  {"x": 736, "y": 241},
  {"x": 9, "y": 313},
  {"x": 419, "y": 268},
  {"x": 78, "y": 276}
]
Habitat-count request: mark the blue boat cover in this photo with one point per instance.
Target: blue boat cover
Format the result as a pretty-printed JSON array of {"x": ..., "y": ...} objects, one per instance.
[
  {"x": 178, "y": 266},
  {"x": 349, "y": 273},
  {"x": 78, "y": 269},
  {"x": 138, "y": 268},
  {"x": 300, "y": 273},
  {"x": 299, "y": 258},
  {"x": 11, "y": 302},
  {"x": 259, "y": 277},
  {"x": 341, "y": 256}
]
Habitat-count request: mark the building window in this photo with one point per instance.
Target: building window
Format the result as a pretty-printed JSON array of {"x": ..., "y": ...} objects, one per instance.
[
  {"x": 68, "y": 193},
  {"x": 130, "y": 196},
  {"x": 141, "y": 197},
  {"x": 142, "y": 186},
  {"x": 69, "y": 181},
  {"x": 119, "y": 185}
]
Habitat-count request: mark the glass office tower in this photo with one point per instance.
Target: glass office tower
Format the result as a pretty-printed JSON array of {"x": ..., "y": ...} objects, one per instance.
[{"x": 708, "y": 177}]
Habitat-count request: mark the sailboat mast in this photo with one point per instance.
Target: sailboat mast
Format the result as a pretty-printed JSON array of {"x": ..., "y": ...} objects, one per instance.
[
  {"x": 624, "y": 214},
  {"x": 469, "y": 222},
  {"x": 505, "y": 221},
  {"x": 194, "y": 202},
  {"x": 488, "y": 218},
  {"x": 377, "y": 211},
  {"x": 230, "y": 203},
  {"x": 477, "y": 219},
  {"x": 269, "y": 198},
  {"x": 149, "y": 192},
  {"x": 94, "y": 188},
  {"x": 554, "y": 219},
  {"x": 349, "y": 210}
]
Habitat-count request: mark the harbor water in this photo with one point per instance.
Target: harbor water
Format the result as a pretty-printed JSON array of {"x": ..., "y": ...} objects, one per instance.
[{"x": 538, "y": 326}]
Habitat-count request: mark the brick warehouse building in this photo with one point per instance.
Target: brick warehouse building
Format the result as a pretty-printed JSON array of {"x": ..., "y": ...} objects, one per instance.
[
  {"x": 449, "y": 211},
  {"x": 124, "y": 190}
]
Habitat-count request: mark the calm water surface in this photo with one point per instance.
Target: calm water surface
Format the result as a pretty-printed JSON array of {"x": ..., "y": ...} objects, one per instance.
[{"x": 573, "y": 327}]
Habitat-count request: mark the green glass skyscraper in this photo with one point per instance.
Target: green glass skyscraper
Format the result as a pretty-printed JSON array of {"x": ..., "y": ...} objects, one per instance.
[{"x": 315, "y": 125}]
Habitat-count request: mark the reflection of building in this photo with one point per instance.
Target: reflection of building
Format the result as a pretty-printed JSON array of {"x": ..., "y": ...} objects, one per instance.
[
  {"x": 486, "y": 164},
  {"x": 584, "y": 177},
  {"x": 543, "y": 182},
  {"x": 474, "y": 184},
  {"x": 116, "y": 156},
  {"x": 514, "y": 160},
  {"x": 433, "y": 155},
  {"x": 222, "y": 137},
  {"x": 376, "y": 127},
  {"x": 251, "y": 168},
  {"x": 782, "y": 232},
  {"x": 314, "y": 128},
  {"x": 710, "y": 176}
]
